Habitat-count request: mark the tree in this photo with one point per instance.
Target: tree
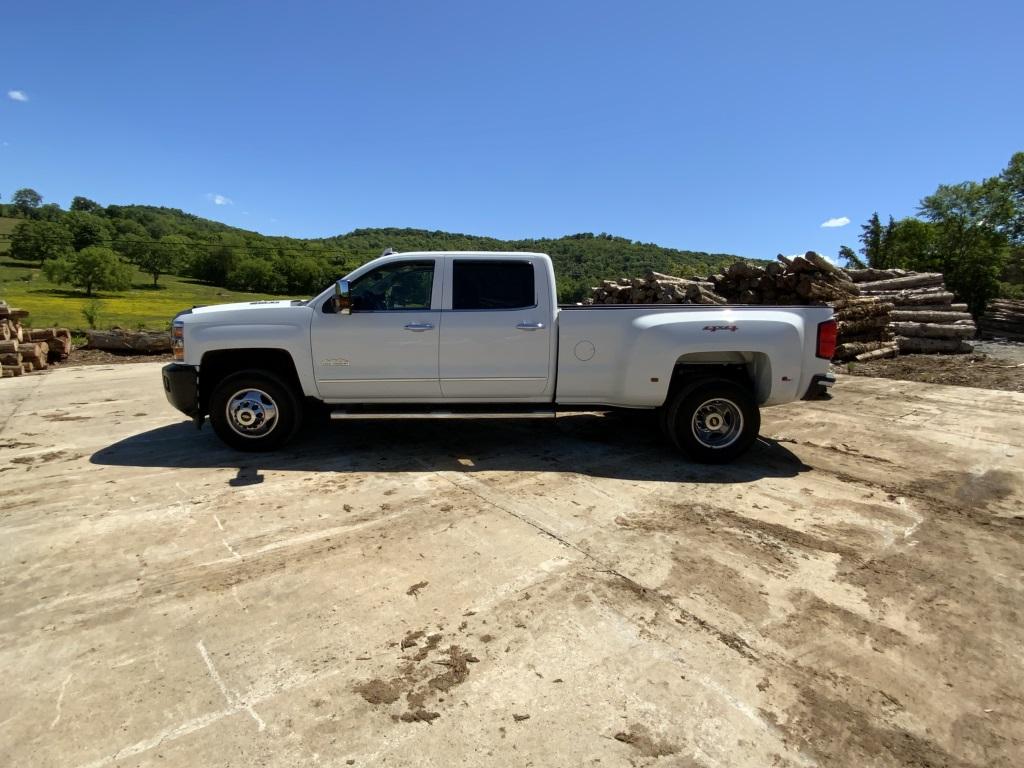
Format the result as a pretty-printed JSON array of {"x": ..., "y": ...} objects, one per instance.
[
  {"x": 88, "y": 229},
  {"x": 155, "y": 258},
  {"x": 85, "y": 205},
  {"x": 92, "y": 268},
  {"x": 302, "y": 274},
  {"x": 849, "y": 258},
  {"x": 1012, "y": 178},
  {"x": 48, "y": 212},
  {"x": 970, "y": 244},
  {"x": 252, "y": 274},
  {"x": 871, "y": 238},
  {"x": 215, "y": 261},
  {"x": 40, "y": 240},
  {"x": 26, "y": 200},
  {"x": 165, "y": 255},
  {"x": 124, "y": 227},
  {"x": 909, "y": 244}
]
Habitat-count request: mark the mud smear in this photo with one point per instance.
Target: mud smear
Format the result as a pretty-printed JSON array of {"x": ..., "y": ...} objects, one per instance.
[
  {"x": 414, "y": 590},
  {"x": 458, "y": 669},
  {"x": 64, "y": 416},
  {"x": 409, "y": 641},
  {"x": 378, "y": 691},
  {"x": 418, "y": 680},
  {"x": 716, "y": 584},
  {"x": 837, "y": 733},
  {"x": 978, "y": 490},
  {"x": 811, "y": 610},
  {"x": 46, "y": 458},
  {"x": 639, "y": 738},
  {"x": 770, "y": 543}
]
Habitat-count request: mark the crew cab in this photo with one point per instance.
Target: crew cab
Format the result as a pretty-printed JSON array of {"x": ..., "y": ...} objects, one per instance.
[{"x": 481, "y": 335}]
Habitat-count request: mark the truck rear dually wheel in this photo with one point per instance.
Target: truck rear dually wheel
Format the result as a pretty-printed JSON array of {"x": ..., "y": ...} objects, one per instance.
[
  {"x": 254, "y": 411},
  {"x": 713, "y": 421}
]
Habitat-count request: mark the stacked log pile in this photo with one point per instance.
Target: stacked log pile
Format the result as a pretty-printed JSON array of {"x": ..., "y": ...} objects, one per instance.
[
  {"x": 864, "y": 329},
  {"x": 24, "y": 350},
  {"x": 655, "y": 288},
  {"x": 1003, "y": 319},
  {"x": 924, "y": 317},
  {"x": 10, "y": 323},
  {"x": 808, "y": 279},
  {"x": 863, "y": 321},
  {"x": 880, "y": 312}
]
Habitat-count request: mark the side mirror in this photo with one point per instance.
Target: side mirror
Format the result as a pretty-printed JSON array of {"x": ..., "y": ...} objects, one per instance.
[{"x": 342, "y": 300}]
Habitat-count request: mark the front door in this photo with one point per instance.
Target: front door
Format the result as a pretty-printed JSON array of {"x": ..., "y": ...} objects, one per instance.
[{"x": 387, "y": 347}]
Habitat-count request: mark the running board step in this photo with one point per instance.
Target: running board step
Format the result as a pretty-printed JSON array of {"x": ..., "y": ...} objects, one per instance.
[{"x": 510, "y": 414}]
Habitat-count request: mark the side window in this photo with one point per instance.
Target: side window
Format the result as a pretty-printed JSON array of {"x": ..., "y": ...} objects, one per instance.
[
  {"x": 492, "y": 285},
  {"x": 400, "y": 285}
]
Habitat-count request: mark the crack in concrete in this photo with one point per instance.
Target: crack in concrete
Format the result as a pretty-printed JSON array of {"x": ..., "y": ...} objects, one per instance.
[{"x": 735, "y": 642}]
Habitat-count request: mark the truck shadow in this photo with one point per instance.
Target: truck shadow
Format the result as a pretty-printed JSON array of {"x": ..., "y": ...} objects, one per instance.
[{"x": 620, "y": 446}]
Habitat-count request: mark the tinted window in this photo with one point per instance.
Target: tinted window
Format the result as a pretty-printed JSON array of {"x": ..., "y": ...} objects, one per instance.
[
  {"x": 492, "y": 285},
  {"x": 395, "y": 286}
]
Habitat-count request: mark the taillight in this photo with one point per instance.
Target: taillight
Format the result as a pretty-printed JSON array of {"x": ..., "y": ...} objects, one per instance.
[{"x": 827, "y": 332}]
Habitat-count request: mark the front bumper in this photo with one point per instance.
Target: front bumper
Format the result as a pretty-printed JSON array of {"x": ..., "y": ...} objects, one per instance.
[
  {"x": 820, "y": 385},
  {"x": 181, "y": 385}
]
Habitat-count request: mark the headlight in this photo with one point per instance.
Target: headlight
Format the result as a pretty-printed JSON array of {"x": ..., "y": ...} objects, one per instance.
[{"x": 178, "y": 339}]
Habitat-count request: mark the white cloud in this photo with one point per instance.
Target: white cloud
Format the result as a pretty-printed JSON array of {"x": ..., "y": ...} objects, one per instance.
[
  {"x": 17, "y": 96},
  {"x": 840, "y": 221},
  {"x": 219, "y": 199}
]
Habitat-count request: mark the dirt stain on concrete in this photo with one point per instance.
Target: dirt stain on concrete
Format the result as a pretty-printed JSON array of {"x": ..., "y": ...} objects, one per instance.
[{"x": 639, "y": 737}]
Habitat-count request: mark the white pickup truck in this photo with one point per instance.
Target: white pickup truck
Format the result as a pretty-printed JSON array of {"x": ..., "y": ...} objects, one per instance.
[{"x": 480, "y": 335}]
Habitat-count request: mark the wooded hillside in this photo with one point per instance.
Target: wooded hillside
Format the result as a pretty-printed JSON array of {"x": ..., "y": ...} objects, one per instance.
[{"x": 161, "y": 241}]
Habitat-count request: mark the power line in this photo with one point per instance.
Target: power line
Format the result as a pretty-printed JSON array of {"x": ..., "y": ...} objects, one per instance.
[{"x": 190, "y": 244}]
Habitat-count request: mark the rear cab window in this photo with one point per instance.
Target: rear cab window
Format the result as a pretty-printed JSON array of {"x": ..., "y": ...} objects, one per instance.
[{"x": 493, "y": 284}]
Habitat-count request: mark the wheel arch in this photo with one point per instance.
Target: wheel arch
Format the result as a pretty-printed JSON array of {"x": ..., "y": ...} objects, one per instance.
[
  {"x": 749, "y": 369},
  {"x": 216, "y": 365}
]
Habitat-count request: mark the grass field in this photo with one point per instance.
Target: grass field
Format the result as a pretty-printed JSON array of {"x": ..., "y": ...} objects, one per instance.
[
  {"x": 6, "y": 228},
  {"x": 24, "y": 286}
]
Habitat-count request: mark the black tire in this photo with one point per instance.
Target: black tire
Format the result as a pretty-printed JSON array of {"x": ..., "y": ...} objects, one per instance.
[
  {"x": 726, "y": 426},
  {"x": 661, "y": 415},
  {"x": 251, "y": 396}
]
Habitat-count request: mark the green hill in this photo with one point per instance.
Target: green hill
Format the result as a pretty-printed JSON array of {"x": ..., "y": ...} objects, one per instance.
[
  {"x": 226, "y": 263},
  {"x": 581, "y": 260}
]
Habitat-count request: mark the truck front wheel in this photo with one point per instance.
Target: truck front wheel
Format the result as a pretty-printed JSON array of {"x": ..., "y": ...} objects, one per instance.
[
  {"x": 254, "y": 411},
  {"x": 713, "y": 421}
]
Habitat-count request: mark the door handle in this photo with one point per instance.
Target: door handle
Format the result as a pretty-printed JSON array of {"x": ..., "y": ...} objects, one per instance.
[
  {"x": 417, "y": 327},
  {"x": 530, "y": 326}
]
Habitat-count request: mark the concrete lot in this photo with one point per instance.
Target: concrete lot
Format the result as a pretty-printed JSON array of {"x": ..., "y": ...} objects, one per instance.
[{"x": 510, "y": 594}]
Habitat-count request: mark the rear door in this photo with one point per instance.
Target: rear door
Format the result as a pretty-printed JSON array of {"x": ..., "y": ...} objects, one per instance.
[{"x": 496, "y": 337}]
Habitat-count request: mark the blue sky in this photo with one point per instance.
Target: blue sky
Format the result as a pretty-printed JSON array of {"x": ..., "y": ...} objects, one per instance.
[{"x": 734, "y": 127}]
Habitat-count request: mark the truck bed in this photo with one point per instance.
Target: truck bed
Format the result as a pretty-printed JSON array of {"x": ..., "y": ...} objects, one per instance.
[{"x": 624, "y": 354}]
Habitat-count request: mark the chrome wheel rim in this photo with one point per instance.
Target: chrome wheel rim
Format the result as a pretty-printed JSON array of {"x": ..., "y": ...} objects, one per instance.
[
  {"x": 251, "y": 413},
  {"x": 717, "y": 423}
]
